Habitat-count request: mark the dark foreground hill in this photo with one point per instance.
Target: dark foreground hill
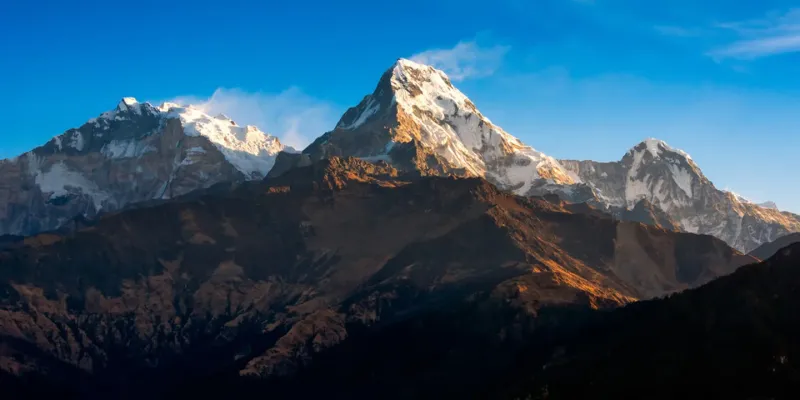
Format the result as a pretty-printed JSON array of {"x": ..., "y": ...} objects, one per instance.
[
  {"x": 734, "y": 338},
  {"x": 340, "y": 277}
]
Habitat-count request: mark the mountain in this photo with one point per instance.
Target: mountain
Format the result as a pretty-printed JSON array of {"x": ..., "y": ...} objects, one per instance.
[
  {"x": 767, "y": 250},
  {"x": 670, "y": 180},
  {"x": 647, "y": 213},
  {"x": 135, "y": 152},
  {"x": 417, "y": 120},
  {"x": 734, "y": 338},
  {"x": 254, "y": 279}
]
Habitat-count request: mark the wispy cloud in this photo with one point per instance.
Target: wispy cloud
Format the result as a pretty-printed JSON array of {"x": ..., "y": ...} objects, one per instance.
[
  {"x": 466, "y": 60},
  {"x": 776, "y": 33},
  {"x": 291, "y": 115}
]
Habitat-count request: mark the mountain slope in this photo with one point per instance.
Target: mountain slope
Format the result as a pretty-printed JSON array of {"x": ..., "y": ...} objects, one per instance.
[
  {"x": 252, "y": 279},
  {"x": 767, "y": 250},
  {"x": 133, "y": 153},
  {"x": 417, "y": 120},
  {"x": 735, "y": 338},
  {"x": 669, "y": 179}
]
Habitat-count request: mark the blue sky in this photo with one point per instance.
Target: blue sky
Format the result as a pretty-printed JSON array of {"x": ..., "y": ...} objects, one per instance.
[{"x": 584, "y": 79}]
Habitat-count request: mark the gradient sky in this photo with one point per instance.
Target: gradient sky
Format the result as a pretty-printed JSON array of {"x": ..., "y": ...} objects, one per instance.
[{"x": 584, "y": 79}]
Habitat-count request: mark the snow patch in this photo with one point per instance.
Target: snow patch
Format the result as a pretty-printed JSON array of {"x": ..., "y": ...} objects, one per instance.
[
  {"x": 652, "y": 145},
  {"x": 76, "y": 140},
  {"x": 682, "y": 178},
  {"x": 130, "y": 104},
  {"x": 61, "y": 181},
  {"x": 195, "y": 150},
  {"x": 450, "y": 124},
  {"x": 249, "y": 150},
  {"x": 655, "y": 146},
  {"x": 372, "y": 107},
  {"x": 116, "y": 149}
]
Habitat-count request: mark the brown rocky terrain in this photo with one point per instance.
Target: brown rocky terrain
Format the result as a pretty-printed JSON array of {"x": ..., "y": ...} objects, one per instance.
[
  {"x": 253, "y": 279},
  {"x": 734, "y": 338}
]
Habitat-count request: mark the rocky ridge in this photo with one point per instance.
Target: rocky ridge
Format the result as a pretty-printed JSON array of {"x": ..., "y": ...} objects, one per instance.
[{"x": 134, "y": 153}]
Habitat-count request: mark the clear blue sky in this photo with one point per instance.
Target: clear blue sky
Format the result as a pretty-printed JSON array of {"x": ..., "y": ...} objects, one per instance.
[{"x": 581, "y": 79}]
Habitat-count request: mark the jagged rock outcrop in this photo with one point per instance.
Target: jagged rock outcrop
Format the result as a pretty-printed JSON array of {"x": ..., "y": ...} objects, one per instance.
[{"x": 133, "y": 153}]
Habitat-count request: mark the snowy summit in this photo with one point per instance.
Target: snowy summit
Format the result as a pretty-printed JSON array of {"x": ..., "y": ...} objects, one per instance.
[{"x": 416, "y": 103}]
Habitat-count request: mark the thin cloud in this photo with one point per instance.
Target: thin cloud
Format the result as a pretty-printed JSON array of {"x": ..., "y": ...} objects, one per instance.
[
  {"x": 466, "y": 60},
  {"x": 294, "y": 117},
  {"x": 776, "y": 33}
]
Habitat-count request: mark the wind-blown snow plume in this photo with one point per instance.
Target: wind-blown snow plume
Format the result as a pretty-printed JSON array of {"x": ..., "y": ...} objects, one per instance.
[{"x": 294, "y": 117}]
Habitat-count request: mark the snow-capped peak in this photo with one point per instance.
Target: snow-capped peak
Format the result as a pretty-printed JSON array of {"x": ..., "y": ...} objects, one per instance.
[
  {"x": 129, "y": 104},
  {"x": 249, "y": 149},
  {"x": 663, "y": 175},
  {"x": 416, "y": 102},
  {"x": 656, "y": 147}
]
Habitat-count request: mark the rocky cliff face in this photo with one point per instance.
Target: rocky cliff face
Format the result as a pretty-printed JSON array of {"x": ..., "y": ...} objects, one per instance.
[
  {"x": 670, "y": 180},
  {"x": 133, "y": 153},
  {"x": 253, "y": 279}
]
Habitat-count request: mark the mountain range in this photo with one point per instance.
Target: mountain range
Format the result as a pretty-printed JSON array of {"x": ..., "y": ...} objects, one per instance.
[
  {"x": 255, "y": 278},
  {"x": 415, "y": 119},
  {"x": 133, "y": 153},
  {"x": 416, "y": 250}
]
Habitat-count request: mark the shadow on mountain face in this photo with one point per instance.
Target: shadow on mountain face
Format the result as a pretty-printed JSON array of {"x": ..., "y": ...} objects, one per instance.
[{"x": 428, "y": 285}]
